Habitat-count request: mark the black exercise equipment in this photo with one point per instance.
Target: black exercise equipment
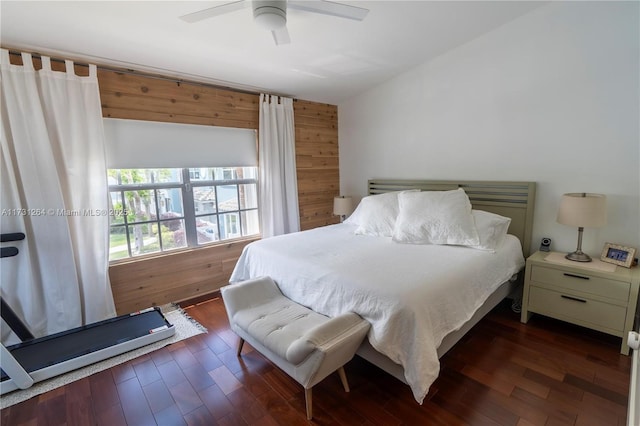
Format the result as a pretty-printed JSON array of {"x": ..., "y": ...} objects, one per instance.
[{"x": 37, "y": 359}]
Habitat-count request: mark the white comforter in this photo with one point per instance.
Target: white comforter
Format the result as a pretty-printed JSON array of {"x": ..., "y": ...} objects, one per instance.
[{"x": 413, "y": 295}]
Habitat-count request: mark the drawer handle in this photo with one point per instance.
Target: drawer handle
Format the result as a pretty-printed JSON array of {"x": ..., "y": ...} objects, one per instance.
[
  {"x": 575, "y": 276},
  {"x": 573, "y": 298}
]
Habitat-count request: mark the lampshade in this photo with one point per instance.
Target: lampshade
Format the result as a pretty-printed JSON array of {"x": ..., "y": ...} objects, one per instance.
[
  {"x": 583, "y": 210},
  {"x": 342, "y": 206}
]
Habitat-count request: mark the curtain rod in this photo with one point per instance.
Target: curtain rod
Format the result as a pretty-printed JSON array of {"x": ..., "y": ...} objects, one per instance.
[{"x": 129, "y": 71}]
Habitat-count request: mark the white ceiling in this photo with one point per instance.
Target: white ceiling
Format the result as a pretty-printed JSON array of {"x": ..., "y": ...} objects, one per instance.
[{"x": 329, "y": 59}]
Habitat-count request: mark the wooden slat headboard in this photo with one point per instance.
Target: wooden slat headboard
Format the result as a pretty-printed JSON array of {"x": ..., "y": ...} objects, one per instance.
[{"x": 511, "y": 199}]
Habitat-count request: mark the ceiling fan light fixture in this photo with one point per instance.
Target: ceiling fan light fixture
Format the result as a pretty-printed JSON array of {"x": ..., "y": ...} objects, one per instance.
[{"x": 271, "y": 15}]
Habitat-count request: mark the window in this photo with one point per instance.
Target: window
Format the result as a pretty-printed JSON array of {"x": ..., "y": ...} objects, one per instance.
[
  {"x": 179, "y": 185},
  {"x": 157, "y": 210}
]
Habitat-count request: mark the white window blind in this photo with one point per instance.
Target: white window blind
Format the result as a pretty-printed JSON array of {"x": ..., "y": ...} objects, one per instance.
[{"x": 134, "y": 144}]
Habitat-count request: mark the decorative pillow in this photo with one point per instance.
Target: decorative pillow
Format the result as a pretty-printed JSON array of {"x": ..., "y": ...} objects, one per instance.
[
  {"x": 491, "y": 228},
  {"x": 435, "y": 217},
  {"x": 376, "y": 214}
]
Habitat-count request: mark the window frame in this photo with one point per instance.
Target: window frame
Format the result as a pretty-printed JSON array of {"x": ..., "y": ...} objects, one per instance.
[{"x": 188, "y": 206}]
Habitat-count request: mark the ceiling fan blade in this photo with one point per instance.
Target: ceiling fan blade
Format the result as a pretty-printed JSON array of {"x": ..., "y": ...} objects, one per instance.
[
  {"x": 210, "y": 12},
  {"x": 330, "y": 8},
  {"x": 281, "y": 36}
]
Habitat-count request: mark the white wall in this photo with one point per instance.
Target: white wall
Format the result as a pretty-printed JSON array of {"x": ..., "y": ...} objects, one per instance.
[{"x": 551, "y": 97}]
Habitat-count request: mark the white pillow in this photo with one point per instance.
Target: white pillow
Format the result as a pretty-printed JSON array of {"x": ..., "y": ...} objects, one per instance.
[
  {"x": 435, "y": 217},
  {"x": 376, "y": 214},
  {"x": 491, "y": 228}
]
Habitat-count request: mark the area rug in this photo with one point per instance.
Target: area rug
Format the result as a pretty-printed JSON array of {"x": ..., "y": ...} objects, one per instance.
[{"x": 185, "y": 327}]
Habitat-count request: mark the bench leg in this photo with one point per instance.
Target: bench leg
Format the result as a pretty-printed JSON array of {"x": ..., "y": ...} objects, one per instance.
[
  {"x": 240, "y": 344},
  {"x": 308, "y": 402},
  {"x": 343, "y": 378}
]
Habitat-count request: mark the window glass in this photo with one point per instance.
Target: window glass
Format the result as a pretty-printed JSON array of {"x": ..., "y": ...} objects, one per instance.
[
  {"x": 154, "y": 210},
  {"x": 144, "y": 238},
  {"x": 248, "y": 194},
  {"x": 141, "y": 204},
  {"x": 222, "y": 173},
  {"x": 248, "y": 172},
  {"x": 228, "y": 198},
  {"x": 229, "y": 225},
  {"x": 173, "y": 234},
  {"x": 118, "y": 246},
  {"x": 170, "y": 203},
  {"x": 118, "y": 211},
  {"x": 207, "y": 229},
  {"x": 204, "y": 198},
  {"x": 250, "y": 222},
  {"x": 142, "y": 176}
]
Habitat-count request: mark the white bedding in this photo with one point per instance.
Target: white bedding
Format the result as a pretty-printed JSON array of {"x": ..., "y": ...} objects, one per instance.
[{"x": 413, "y": 295}]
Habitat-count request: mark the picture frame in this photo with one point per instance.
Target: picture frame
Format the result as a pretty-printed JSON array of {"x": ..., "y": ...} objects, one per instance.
[{"x": 618, "y": 254}]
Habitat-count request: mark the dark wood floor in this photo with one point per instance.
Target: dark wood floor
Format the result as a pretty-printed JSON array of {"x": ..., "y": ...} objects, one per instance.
[{"x": 501, "y": 373}]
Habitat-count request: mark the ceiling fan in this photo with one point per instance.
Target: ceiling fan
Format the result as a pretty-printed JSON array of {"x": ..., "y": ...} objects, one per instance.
[{"x": 272, "y": 14}]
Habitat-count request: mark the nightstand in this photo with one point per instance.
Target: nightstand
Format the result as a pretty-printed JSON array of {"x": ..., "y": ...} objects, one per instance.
[{"x": 603, "y": 300}]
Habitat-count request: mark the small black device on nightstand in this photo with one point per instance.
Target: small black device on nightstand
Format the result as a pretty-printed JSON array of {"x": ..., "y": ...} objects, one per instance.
[{"x": 545, "y": 244}]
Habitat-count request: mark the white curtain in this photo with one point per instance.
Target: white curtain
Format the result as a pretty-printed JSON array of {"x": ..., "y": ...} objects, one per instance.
[
  {"x": 54, "y": 189},
  {"x": 279, "y": 213}
]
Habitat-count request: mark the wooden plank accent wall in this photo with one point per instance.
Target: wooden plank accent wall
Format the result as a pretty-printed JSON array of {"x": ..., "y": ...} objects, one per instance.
[
  {"x": 173, "y": 277},
  {"x": 316, "y": 127},
  {"x": 143, "y": 98},
  {"x": 139, "y": 284}
]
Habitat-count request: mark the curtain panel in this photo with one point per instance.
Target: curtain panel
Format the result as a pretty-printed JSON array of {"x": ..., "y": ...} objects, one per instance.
[
  {"x": 278, "y": 183},
  {"x": 54, "y": 189}
]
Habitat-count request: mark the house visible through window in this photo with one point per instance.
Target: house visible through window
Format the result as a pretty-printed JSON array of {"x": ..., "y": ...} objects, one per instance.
[{"x": 157, "y": 210}]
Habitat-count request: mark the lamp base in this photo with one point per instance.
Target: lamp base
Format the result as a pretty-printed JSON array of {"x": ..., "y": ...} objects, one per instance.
[{"x": 578, "y": 256}]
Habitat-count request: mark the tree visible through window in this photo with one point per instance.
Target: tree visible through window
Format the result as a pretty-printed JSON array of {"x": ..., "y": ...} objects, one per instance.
[{"x": 165, "y": 209}]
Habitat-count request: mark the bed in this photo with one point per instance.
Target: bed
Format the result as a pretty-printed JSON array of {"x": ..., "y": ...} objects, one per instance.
[{"x": 419, "y": 298}]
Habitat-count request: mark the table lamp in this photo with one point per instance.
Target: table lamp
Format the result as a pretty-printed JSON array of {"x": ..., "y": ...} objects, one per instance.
[
  {"x": 342, "y": 206},
  {"x": 583, "y": 210}
]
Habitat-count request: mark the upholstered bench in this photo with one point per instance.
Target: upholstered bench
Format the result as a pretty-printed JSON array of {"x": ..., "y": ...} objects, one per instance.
[{"x": 306, "y": 345}]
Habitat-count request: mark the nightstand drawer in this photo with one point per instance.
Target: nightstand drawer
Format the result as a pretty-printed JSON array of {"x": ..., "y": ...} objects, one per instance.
[
  {"x": 566, "y": 306},
  {"x": 582, "y": 282}
]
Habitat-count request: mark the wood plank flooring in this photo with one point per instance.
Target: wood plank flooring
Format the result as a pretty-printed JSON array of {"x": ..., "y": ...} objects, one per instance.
[{"x": 501, "y": 373}]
